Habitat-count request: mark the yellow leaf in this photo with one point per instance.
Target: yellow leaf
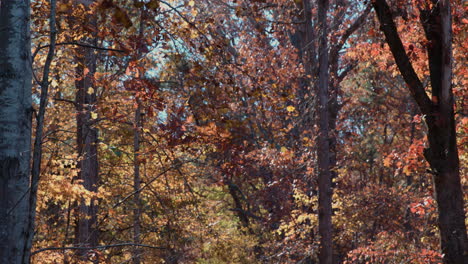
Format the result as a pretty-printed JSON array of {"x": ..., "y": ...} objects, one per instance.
[
  {"x": 93, "y": 115},
  {"x": 90, "y": 90},
  {"x": 284, "y": 149},
  {"x": 193, "y": 34},
  {"x": 54, "y": 83},
  {"x": 191, "y": 3},
  {"x": 290, "y": 108}
]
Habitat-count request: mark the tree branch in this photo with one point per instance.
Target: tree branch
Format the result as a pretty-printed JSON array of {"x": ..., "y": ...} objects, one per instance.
[
  {"x": 96, "y": 247},
  {"x": 75, "y": 44},
  {"x": 345, "y": 71},
  {"x": 393, "y": 40},
  {"x": 334, "y": 52}
]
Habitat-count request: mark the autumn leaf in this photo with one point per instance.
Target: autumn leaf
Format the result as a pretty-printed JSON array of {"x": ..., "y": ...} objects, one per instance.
[
  {"x": 121, "y": 17},
  {"x": 153, "y": 4},
  {"x": 290, "y": 108},
  {"x": 63, "y": 7}
]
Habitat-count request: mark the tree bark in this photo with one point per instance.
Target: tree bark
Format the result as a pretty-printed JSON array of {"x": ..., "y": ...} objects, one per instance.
[
  {"x": 15, "y": 131},
  {"x": 87, "y": 143},
  {"x": 442, "y": 154},
  {"x": 323, "y": 144}
]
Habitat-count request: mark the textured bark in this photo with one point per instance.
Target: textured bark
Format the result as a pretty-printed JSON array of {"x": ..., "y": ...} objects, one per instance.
[
  {"x": 323, "y": 144},
  {"x": 87, "y": 142},
  {"x": 15, "y": 131},
  {"x": 442, "y": 153}
]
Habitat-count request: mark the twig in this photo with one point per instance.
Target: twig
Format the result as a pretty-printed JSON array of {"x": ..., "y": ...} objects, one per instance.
[
  {"x": 76, "y": 44},
  {"x": 96, "y": 247},
  {"x": 185, "y": 19}
]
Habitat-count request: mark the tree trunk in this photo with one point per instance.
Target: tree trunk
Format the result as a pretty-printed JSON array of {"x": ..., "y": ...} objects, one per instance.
[
  {"x": 304, "y": 40},
  {"x": 37, "y": 152},
  {"x": 442, "y": 153},
  {"x": 87, "y": 142},
  {"x": 136, "y": 259},
  {"x": 323, "y": 144},
  {"x": 15, "y": 131}
]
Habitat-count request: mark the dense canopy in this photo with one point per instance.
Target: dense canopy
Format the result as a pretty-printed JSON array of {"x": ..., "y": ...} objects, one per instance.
[{"x": 233, "y": 131}]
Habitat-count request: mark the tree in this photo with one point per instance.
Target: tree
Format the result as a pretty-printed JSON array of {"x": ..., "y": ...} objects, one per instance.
[
  {"x": 87, "y": 137},
  {"x": 15, "y": 131},
  {"x": 207, "y": 122},
  {"x": 39, "y": 132},
  {"x": 323, "y": 143},
  {"x": 442, "y": 154}
]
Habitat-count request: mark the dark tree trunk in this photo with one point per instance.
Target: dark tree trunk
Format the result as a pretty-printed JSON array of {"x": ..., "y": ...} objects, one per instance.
[
  {"x": 442, "y": 153},
  {"x": 236, "y": 195},
  {"x": 304, "y": 40},
  {"x": 15, "y": 131},
  {"x": 37, "y": 153},
  {"x": 87, "y": 142},
  {"x": 323, "y": 144},
  {"x": 136, "y": 259}
]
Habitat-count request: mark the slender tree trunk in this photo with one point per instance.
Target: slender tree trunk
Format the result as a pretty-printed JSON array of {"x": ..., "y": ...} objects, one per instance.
[
  {"x": 15, "y": 131},
  {"x": 136, "y": 259},
  {"x": 442, "y": 153},
  {"x": 37, "y": 152},
  {"x": 323, "y": 144},
  {"x": 87, "y": 142}
]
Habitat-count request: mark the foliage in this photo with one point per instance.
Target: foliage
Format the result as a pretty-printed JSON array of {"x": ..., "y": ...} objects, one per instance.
[{"x": 228, "y": 169}]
